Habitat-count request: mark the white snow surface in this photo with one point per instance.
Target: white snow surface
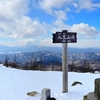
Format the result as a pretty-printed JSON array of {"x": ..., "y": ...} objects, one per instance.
[{"x": 15, "y": 83}]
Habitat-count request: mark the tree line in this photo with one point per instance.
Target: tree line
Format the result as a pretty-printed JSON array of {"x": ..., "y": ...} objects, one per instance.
[
  {"x": 34, "y": 64},
  {"x": 30, "y": 64},
  {"x": 85, "y": 67}
]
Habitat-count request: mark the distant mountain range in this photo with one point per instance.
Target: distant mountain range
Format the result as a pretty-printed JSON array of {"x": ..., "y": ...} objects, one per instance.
[
  {"x": 49, "y": 55},
  {"x": 34, "y": 48},
  {"x": 52, "y": 58}
]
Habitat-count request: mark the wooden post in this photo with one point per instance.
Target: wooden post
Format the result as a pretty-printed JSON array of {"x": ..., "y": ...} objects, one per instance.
[{"x": 65, "y": 67}]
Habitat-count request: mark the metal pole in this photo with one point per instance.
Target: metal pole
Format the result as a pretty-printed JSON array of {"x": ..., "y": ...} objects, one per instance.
[{"x": 65, "y": 67}]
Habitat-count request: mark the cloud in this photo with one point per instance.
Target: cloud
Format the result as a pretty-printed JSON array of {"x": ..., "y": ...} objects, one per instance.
[
  {"x": 85, "y": 31},
  {"x": 59, "y": 25},
  {"x": 89, "y": 5},
  {"x": 52, "y": 7},
  {"x": 85, "y": 44},
  {"x": 75, "y": 5},
  {"x": 60, "y": 14},
  {"x": 28, "y": 28},
  {"x": 14, "y": 22},
  {"x": 59, "y": 8},
  {"x": 22, "y": 28},
  {"x": 48, "y": 5},
  {"x": 11, "y": 9},
  {"x": 19, "y": 42}
]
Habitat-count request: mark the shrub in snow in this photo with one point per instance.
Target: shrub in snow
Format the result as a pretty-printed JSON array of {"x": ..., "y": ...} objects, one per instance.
[
  {"x": 75, "y": 83},
  {"x": 33, "y": 93}
]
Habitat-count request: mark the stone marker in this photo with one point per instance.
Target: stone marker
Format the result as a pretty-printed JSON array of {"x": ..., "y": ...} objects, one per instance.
[
  {"x": 46, "y": 93},
  {"x": 97, "y": 88},
  {"x": 96, "y": 94},
  {"x": 90, "y": 96}
]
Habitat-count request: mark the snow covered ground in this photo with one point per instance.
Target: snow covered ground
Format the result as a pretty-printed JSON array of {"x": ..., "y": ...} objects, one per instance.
[{"x": 15, "y": 83}]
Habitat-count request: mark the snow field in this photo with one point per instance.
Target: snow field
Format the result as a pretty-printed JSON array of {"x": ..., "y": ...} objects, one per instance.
[{"x": 15, "y": 83}]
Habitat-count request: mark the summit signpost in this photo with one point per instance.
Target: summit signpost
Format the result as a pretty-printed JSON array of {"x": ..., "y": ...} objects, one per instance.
[{"x": 65, "y": 37}]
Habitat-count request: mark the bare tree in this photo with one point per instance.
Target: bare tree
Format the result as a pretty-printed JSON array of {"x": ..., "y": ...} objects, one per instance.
[
  {"x": 33, "y": 62},
  {"x": 27, "y": 65},
  {"x": 31, "y": 59},
  {"x": 41, "y": 62},
  {"x": 86, "y": 67},
  {"x": 15, "y": 62},
  {"x": 72, "y": 67},
  {"x": 6, "y": 62}
]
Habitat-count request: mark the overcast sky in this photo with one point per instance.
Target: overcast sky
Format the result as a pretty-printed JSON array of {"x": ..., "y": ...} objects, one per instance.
[{"x": 33, "y": 21}]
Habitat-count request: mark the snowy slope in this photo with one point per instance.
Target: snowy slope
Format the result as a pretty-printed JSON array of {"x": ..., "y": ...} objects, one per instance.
[{"x": 14, "y": 84}]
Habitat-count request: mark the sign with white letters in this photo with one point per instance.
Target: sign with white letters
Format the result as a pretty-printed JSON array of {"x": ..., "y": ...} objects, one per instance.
[{"x": 64, "y": 37}]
